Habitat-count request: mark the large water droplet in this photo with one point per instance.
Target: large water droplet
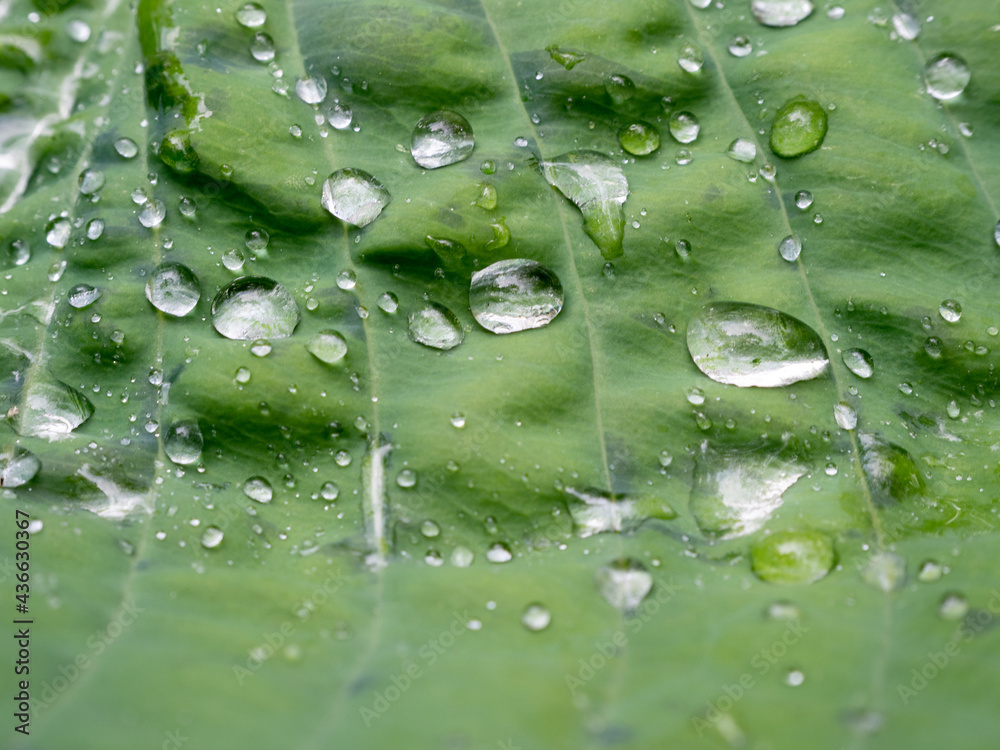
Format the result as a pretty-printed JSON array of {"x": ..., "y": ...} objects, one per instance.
[
  {"x": 690, "y": 58},
  {"x": 173, "y": 289},
  {"x": 597, "y": 512},
  {"x": 441, "y": 138},
  {"x": 83, "y": 295},
  {"x": 354, "y": 196},
  {"x": 798, "y": 128},
  {"x": 891, "y": 470},
  {"x": 251, "y": 15},
  {"x": 126, "y": 148},
  {"x": 259, "y": 489},
  {"x": 950, "y": 310},
  {"x": 790, "y": 557},
  {"x": 790, "y": 248},
  {"x": 946, "y": 76},
  {"x": 91, "y": 180},
  {"x": 619, "y": 87},
  {"x": 436, "y": 326},
  {"x": 17, "y": 466},
  {"x": 639, "y": 138},
  {"x": 153, "y": 213},
  {"x": 254, "y": 307},
  {"x": 742, "y": 150},
  {"x": 684, "y": 127},
  {"x": 515, "y": 295},
  {"x": 327, "y": 346},
  {"x": 183, "y": 442},
  {"x": 751, "y": 345},
  {"x": 597, "y": 185},
  {"x": 847, "y": 418},
  {"x": 781, "y": 12},
  {"x": 623, "y": 583},
  {"x": 50, "y": 409},
  {"x": 859, "y": 362},
  {"x": 311, "y": 89}
]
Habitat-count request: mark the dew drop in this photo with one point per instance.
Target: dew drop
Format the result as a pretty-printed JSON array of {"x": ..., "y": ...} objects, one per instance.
[
  {"x": 173, "y": 289},
  {"x": 623, "y": 583},
  {"x": 536, "y": 617},
  {"x": 803, "y": 199},
  {"x": 859, "y": 362},
  {"x": 780, "y": 13},
  {"x": 845, "y": 415},
  {"x": 790, "y": 248},
  {"x": 354, "y": 196},
  {"x": 259, "y": 489},
  {"x": 946, "y": 76},
  {"x": 183, "y": 442},
  {"x": 254, "y": 307},
  {"x": 441, "y": 138},
  {"x": 328, "y": 346},
  {"x": 83, "y": 295},
  {"x": 740, "y": 46},
  {"x": 153, "y": 213},
  {"x": 435, "y": 326},
  {"x": 18, "y": 466},
  {"x": 798, "y": 128},
  {"x": 792, "y": 557},
  {"x": 684, "y": 127},
  {"x": 126, "y": 148},
  {"x": 639, "y": 138},
  {"x": 499, "y": 552},
  {"x": 950, "y": 310},
  {"x": 311, "y": 89},
  {"x": 690, "y": 58},
  {"x": 742, "y": 150},
  {"x": 212, "y": 537},
  {"x": 251, "y": 15},
  {"x": 619, "y": 87},
  {"x": 515, "y": 295}
]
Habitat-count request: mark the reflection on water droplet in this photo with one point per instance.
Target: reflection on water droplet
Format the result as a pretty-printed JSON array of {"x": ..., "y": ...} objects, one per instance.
[
  {"x": 536, "y": 617},
  {"x": 845, "y": 415},
  {"x": 950, "y": 310},
  {"x": 684, "y": 127},
  {"x": 83, "y": 295},
  {"x": 751, "y": 345},
  {"x": 153, "y": 213},
  {"x": 262, "y": 47},
  {"x": 251, "y": 15},
  {"x": 891, "y": 470},
  {"x": 742, "y": 150},
  {"x": 639, "y": 138},
  {"x": 57, "y": 232},
  {"x": 462, "y": 557},
  {"x": 311, "y": 89},
  {"x": 791, "y": 557},
  {"x": 17, "y": 466},
  {"x": 946, "y": 76},
  {"x": 499, "y": 552},
  {"x": 885, "y": 571},
  {"x": 388, "y": 303},
  {"x": 173, "y": 289},
  {"x": 328, "y": 346},
  {"x": 803, "y": 199},
  {"x": 859, "y": 362},
  {"x": 354, "y": 196},
  {"x": 441, "y": 138},
  {"x": 740, "y": 46},
  {"x": 930, "y": 571},
  {"x": 780, "y": 13},
  {"x": 254, "y": 307},
  {"x": 906, "y": 25},
  {"x": 790, "y": 248},
  {"x": 515, "y": 295},
  {"x": 126, "y": 148},
  {"x": 690, "y": 58},
  {"x": 406, "y": 478},
  {"x": 183, "y": 442},
  {"x": 259, "y": 489},
  {"x": 623, "y": 583},
  {"x": 619, "y": 87},
  {"x": 435, "y": 326},
  {"x": 798, "y": 128}
]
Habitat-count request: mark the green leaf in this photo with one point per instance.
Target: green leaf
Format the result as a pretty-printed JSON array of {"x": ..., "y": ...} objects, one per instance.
[{"x": 330, "y": 537}]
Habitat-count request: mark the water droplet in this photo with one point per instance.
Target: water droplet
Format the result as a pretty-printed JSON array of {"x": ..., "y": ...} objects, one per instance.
[
  {"x": 794, "y": 677},
  {"x": 791, "y": 557},
  {"x": 406, "y": 478},
  {"x": 259, "y": 489},
  {"x": 946, "y": 76},
  {"x": 930, "y": 571},
  {"x": 187, "y": 207},
  {"x": 57, "y": 232},
  {"x": 251, "y": 15},
  {"x": 950, "y": 310},
  {"x": 803, "y": 199},
  {"x": 254, "y": 307},
  {"x": 233, "y": 259},
  {"x": 953, "y": 410},
  {"x": 436, "y": 326},
  {"x": 953, "y": 607},
  {"x": 845, "y": 415},
  {"x": 751, "y": 345},
  {"x": 50, "y": 409},
  {"x": 690, "y": 58},
  {"x": 342, "y": 459},
  {"x": 19, "y": 252},
  {"x": 996, "y": 234},
  {"x": 742, "y": 150},
  {"x": 153, "y": 213},
  {"x": 78, "y": 31},
  {"x": 328, "y": 346},
  {"x": 17, "y": 466},
  {"x": 781, "y": 12},
  {"x": 623, "y": 583},
  {"x": 256, "y": 240},
  {"x": 311, "y": 89},
  {"x": 91, "y": 180},
  {"x": 891, "y": 470},
  {"x": 619, "y": 87},
  {"x": 798, "y": 128},
  {"x": 126, "y": 148},
  {"x": 684, "y": 157},
  {"x": 340, "y": 116},
  {"x": 388, "y": 303},
  {"x": 212, "y": 537},
  {"x": 173, "y": 289},
  {"x": 885, "y": 571},
  {"x": 597, "y": 185},
  {"x": 665, "y": 458},
  {"x": 430, "y": 529},
  {"x": 859, "y": 362},
  {"x": 262, "y": 47},
  {"x": 740, "y": 46},
  {"x": 639, "y": 138},
  {"x": 564, "y": 57},
  {"x": 95, "y": 229},
  {"x": 783, "y": 611},
  {"x": 347, "y": 279},
  {"x": 83, "y": 295},
  {"x": 515, "y": 295},
  {"x": 906, "y": 25},
  {"x": 329, "y": 491},
  {"x": 790, "y": 248},
  {"x": 684, "y": 127},
  {"x": 354, "y": 196},
  {"x": 183, "y": 442},
  {"x": 499, "y": 552},
  {"x": 441, "y": 138},
  {"x": 536, "y": 617},
  {"x": 462, "y": 557}
]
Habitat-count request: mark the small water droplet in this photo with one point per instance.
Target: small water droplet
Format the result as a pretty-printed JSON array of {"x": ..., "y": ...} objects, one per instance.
[
  {"x": 639, "y": 138},
  {"x": 183, "y": 442},
  {"x": 83, "y": 295},
  {"x": 212, "y": 537},
  {"x": 950, "y": 310},
  {"x": 953, "y": 410},
  {"x": 780, "y": 13},
  {"x": 311, "y": 89},
  {"x": 388, "y": 303},
  {"x": 406, "y": 478},
  {"x": 187, "y": 207},
  {"x": 742, "y": 150},
  {"x": 126, "y": 148},
  {"x": 665, "y": 458},
  {"x": 536, "y": 617},
  {"x": 441, "y": 138},
  {"x": 623, "y": 583},
  {"x": 256, "y": 240},
  {"x": 95, "y": 229},
  {"x": 690, "y": 58},
  {"x": 233, "y": 259},
  {"x": 57, "y": 232},
  {"x": 794, "y": 677},
  {"x": 885, "y": 571},
  {"x": 946, "y": 76},
  {"x": 953, "y": 607},
  {"x": 259, "y": 489},
  {"x": 906, "y": 25},
  {"x": 173, "y": 289},
  {"x": 329, "y": 491},
  {"x": 262, "y": 47},
  {"x": 684, "y": 127},
  {"x": 435, "y": 326},
  {"x": 792, "y": 557},
  {"x": 859, "y": 362},
  {"x": 930, "y": 571},
  {"x": 430, "y": 529},
  {"x": 327, "y": 346},
  {"x": 17, "y": 466},
  {"x": 153, "y": 213},
  {"x": 790, "y": 248},
  {"x": 251, "y": 15},
  {"x": 462, "y": 557},
  {"x": 803, "y": 199},
  {"x": 619, "y": 87},
  {"x": 342, "y": 459},
  {"x": 499, "y": 552},
  {"x": 347, "y": 279},
  {"x": 740, "y": 46}
]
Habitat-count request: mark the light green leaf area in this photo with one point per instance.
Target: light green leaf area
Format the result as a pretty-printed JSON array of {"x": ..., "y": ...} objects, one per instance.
[{"x": 345, "y": 611}]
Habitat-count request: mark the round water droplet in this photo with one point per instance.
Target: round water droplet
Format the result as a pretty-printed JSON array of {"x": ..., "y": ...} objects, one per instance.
[
  {"x": 639, "y": 138},
  {"x": 751, "y": 345},
  {"x": 262, "y": 47},
  {"x": 347, "y": 280},
  {"x": 441, "y": 138},
  {"x": 740, "y": 46},
  {"x": 790, "y": 248},
  {"x": 845, "y": 415},
  {"x": 435, "y": 326},
  {"x": 311, "y": 89},
  {"x": 803, "y": 199},
  {"x": 187, "y": 207},
  {"x": 254, "y": 307},
  {"x": 462, "y": 557},
  {"x": 354, "y": 196},
  {"x": 906, "y": 25},
  {"x": 212, "y": 537},
  {"x": 430, "y": 529},
  {"x": 684, "y": 157},
  {"x": 515, "y": 295},
  {"x": 173, "y": 289},
  {"x": 329, "y": 491},
  {"x": 499, "y": 552},
  {"x": 781, "y": 12},
  {"x": 17, "y": 466},
  {"x": 91, "y": 180},
  {"x": 251, "y": 15},
  {"x": 950, "y": 310},
  {"x": 340, "y": 116},
  {"x": 859, "y": 362},
  {"x": 953, "y": 607},
  {"x": 406, "y": 478},
  {"x": 83, "y": 295},
  {"x": 690, "y": 58},
  {"x": 665, "y": 458},
  {"x": 57, "y": 232},
  {"x": 798, "y": 128},
  {"x": 743, "y": 150},
  {"x": 183, "y": 442},
  {"x": 783, "y": 611},
  {"x": 233, "y": 259},
  {"x": 153, "y": 213},
  {"x": 342, "y": 459},
  {"x": 946, "y": 76},
  {"x": 388, "y": 303},
  {"x": 619, "y": 87},
  {"x": 256, "y": 240},
  {"x": 930, "y": 571},
  {"x": 623, "y": 583},
  {"x": 95, "y": 229},
  {"x": 328, "y": 346},
  {"x": 259, "y": 489},
  {"x": 536, "y": 617},
  {"x": 19, "y": 252},
  {"x": 684, "y": 127},
  {"x": 126, "y": 148},
  {"x": 78, "y": 31},
  {"x": 790, "y": 557},
  {"x": 953, "y": 410},
  {"x": 794, "y": 677}
]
